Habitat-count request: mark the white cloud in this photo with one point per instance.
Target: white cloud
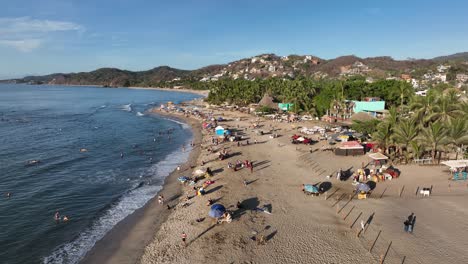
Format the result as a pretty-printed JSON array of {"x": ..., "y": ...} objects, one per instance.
[
  {"x": 29, "y": 25},
  {"x": 24, "y": 45},
  {"x": 26, "y": 34}
]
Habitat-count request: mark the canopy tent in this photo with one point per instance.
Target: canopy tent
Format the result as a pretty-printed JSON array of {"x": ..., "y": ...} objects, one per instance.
[
  {"x": 456, "y": 163},
  {"x": 217, "y": 210},
  {"x": 378, "y": 156},
  {"x": 349, "y": 148}
]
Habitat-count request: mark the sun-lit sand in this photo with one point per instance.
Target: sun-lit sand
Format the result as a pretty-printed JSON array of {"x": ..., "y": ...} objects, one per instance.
[{"x": 306, "y": 229}]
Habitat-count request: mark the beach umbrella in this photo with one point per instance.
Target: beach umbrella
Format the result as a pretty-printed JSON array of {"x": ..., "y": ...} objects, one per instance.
[
  {"x": 310, "y": 188},
  {"x": 217, "y": 210},
  {"x": 362, "y": 187}
]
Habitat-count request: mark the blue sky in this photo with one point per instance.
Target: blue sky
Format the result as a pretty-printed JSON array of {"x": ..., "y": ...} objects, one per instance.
[{"x": 46, "y": 36}]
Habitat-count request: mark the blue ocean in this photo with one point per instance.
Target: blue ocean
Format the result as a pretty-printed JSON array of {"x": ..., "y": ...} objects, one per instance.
[{"x": 92, "y": 154}]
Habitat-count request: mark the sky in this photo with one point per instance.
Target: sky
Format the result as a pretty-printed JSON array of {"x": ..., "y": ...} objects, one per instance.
[{"x": 47, "y": 36}]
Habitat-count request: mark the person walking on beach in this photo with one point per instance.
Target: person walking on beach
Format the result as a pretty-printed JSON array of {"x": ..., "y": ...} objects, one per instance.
[
  {"x": 411, "y": 221},
  {"x": 184, "y": 238},
  {"x": 251, "y": 166},
  {"x": 160, "y": 199}
]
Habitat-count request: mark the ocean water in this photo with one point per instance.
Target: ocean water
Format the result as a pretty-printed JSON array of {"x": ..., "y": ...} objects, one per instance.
[{"x": 96, "y": 188}]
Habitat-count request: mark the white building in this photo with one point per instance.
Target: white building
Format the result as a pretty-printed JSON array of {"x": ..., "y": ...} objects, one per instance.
[
  {"x": 462, "y": 77},
  {"x": 443, "y": 68}
]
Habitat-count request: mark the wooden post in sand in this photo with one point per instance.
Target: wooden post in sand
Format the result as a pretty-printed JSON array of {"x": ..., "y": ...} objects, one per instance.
[
  {"x": 417, "y": 189},
  {"x": 383, "y": 193},
  {"x": 356, "y": 220},
  {"x": 375, "y": 241},
  {"x": 339, "y": 199},
  {"x": 346, "y": 216},
  {"x": 350, "y": 199},
  {"x": 402, "y": 189},
  {"x": 403, "y": 260},
  {"x": 386, "y": 252}
]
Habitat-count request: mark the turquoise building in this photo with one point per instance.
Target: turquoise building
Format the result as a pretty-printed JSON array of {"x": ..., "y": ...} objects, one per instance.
[{"x": 371, "y": 107}]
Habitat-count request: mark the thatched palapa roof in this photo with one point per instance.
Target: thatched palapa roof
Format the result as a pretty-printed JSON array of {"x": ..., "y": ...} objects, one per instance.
[{"x": 267, "y": 100}]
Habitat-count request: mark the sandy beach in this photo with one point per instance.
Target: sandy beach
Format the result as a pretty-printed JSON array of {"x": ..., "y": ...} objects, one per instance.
[
  {"x": 297, "y": 228},
  {"x": 126, "y": 241}
]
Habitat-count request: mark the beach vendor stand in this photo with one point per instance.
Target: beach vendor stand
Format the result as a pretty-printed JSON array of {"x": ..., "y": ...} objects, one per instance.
[
  {"x": 378, "y": 159},
  {"x": 350, "y": 148},
  {"x": 458, "y": 169}
]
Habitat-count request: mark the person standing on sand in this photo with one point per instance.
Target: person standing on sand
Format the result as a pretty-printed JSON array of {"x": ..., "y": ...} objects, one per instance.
[
  {"x": 184, "y": 238},
  {"x": 160, "y": 199},
  {"x": 251, "y": 166}
]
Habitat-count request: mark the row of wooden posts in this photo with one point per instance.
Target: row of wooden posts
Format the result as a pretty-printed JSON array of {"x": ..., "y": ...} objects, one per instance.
[{"x": 345, "y": 216}]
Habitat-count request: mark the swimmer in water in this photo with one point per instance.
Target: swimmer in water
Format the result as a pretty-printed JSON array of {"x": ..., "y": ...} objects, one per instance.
[
  {"x": 8, "y": 195},
  {"x": 121, "y": 155},
  {"x": 57, "y": 216},
  {"x": 65, "y": 218}
]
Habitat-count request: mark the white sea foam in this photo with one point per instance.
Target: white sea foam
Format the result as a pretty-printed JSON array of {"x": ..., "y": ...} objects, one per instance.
[
  {"x": 184, "y": 125},
  {"x": 140, "y": 114},
  {"x": 127, "y": 107},
  {"x": 74, "y": 251}
]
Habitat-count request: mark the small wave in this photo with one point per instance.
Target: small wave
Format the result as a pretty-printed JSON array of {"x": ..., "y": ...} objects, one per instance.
[
  {"x": 135, "y": 198},
  {"x": 184, "y": 125},
  {"x": 127, "y": 107},
  {"x": 140, "y": 114}
]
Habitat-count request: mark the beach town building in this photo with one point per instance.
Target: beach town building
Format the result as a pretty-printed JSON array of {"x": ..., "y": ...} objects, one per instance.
[
  {"x": 443, "y": 68},
  {"x": 421, "y": 93},
  {"x": 462, "y": 77},
  {"x": 406, "y": 77},
  {"x": 370, "y": 105}
]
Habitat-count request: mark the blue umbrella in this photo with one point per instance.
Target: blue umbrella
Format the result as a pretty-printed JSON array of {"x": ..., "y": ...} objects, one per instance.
[
  {"x": 362, "y": 187},
  {"x": 310, "y": 188},
  {"x": 217, "y": 210}
]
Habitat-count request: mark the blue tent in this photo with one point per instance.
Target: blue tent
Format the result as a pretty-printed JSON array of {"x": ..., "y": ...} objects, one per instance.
[
  {"x": 310, "y": 188},
  {"x": 220, "y": 131},
  {"x": 217, "y": 210}
]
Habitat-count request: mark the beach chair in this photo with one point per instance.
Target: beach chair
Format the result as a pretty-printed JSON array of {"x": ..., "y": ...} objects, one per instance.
[
  {"x": 455, "y": 176},
  {"x": 465, "y": 175}
]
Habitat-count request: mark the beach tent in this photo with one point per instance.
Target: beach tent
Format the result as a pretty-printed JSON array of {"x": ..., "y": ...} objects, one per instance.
[
  {"x": 220, "y": 130},
  {"x": 217, "y": 210},
  {"x": 349, "y": 148}
]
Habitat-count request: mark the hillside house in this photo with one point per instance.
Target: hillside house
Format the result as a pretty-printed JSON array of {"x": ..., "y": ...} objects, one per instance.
[
  {"x": 406, "y": 77},
  {"x": 462, "y": 77}
]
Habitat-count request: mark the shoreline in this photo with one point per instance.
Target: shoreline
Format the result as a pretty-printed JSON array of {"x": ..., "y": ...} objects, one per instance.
[
  {"x": 127, "y": 240},
  {"x": 203, "y": 93}
]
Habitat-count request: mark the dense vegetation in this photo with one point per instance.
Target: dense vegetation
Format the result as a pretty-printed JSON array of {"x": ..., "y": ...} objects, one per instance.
[
  {"x": 437, "y": 122},
  {"x": 308, "y": 95}
]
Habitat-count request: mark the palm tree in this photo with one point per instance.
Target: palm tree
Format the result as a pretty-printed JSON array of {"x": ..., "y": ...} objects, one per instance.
[
  {"x": 458, "y": 133},
  {"x": 403, "y": 91},
  {"x": 405, "y": 132},
  {"x": 383, "y": 135},
  {"x": 435, "y": 134},
  {"x": 446, "y": 109}
]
